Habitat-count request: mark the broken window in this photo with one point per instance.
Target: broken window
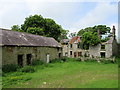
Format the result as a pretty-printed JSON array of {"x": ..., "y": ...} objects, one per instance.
[
  {"x": 70, "y": 52},
  {"x": 20, "y": 60},
  {"x": 102, "y": 54},
  {"x": 29, "y": 57},
  {"x": 79, "y": 53},
  {"x": 70, "y": 45},
  {"x": 66, "y": 54},
  {"x": 75, "y": 54},
  {"x": 102, "y": 47}
]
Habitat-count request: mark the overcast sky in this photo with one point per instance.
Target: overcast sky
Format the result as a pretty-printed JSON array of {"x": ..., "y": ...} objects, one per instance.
[{"x": 72, "y": 15}]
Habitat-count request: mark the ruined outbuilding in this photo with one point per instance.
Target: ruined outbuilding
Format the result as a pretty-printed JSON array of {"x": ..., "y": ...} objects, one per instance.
[{"x": 22, "y": 48}]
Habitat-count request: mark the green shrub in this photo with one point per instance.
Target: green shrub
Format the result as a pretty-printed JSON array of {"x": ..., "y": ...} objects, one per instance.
[
  {"x": 27, "y": 69},
  {"x": 55, "y": 60},
  {"x": 106, "y": 61},
  {"x": 10, "y": 68},
  {"x": 64, "y": 58},
  {"x": 14, "y": 79},
  {"x": 90, "y": 60},
  {"x": 37, "y": 62}
]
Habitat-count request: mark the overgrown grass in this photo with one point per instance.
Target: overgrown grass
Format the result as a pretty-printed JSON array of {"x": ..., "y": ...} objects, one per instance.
[{"x": 68, "y": 74}]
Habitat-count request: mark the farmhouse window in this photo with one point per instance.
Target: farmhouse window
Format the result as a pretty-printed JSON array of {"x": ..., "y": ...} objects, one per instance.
[
  {"x": 79, "y": 53},
  {"x": 66, "y": 54},
  {"x": 102, "y": 47},
  {"x": 70, "y": 52},
  {"x": 70, "y": 45},
  {"x": 75, "y": 54}
]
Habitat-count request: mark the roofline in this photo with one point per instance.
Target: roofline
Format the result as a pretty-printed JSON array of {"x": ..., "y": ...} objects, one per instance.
[
  {"x": 25, "y": 33},
  {"x": 1, "y": 45}
]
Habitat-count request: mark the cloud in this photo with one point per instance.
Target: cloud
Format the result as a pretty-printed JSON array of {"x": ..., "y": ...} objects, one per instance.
[{"x": 99, "y": 15}]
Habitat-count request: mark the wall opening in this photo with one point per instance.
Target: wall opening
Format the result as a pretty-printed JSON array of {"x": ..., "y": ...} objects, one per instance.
[
  {"x": 59, "y": 55},
  {"x": 20, "y": 60},
  {"x": 103, "y": 47},
  {"x": 70, "y": 52},
  {"x": 70, "y": 45},
  {"x": 66, "y": 54},
  {"x": 75, "y": 54},
  {"x": 79, "y": 53},
  {"x": 29, "y": 59},
  {"x": 48, "y": 58},
  {"x": 102, "y": 54}
]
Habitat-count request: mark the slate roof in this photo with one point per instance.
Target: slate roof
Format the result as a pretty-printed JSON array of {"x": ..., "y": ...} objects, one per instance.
[
  {"x": 14, "y": 38},
  {"x": 76, "y": 38},
  {"x": 110, "y": 41}
]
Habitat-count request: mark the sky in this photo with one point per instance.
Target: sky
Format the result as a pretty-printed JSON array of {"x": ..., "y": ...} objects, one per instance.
[{"x": 72, "y": 15}]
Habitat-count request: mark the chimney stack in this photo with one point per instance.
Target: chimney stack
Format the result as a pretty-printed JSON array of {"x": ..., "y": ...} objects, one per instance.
[{"x": 113, "y": 31}]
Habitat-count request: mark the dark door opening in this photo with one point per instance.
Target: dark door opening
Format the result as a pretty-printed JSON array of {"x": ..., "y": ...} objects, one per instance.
[
  {"x": 29, "y": 57},
  {"x": 59, "y": 55},
  {"x": 20, "y": 60},
  {"x": 102, "y": 54}
]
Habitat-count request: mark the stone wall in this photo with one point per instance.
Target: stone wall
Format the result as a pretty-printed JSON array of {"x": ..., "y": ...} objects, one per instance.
[
  {"x": 64, "y": 50},
  {"x": 75, "y": 49},
  {"x": 108, "y": 52},
  {"x": 95, "y": 51},
  {"x": 10, "y": 54},
  {"x": 115, "y": 48},
  {"x": 119, "y": 50}
]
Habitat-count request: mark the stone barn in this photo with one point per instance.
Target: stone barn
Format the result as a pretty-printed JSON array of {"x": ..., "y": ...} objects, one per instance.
[{"x": 22, "y": 48}]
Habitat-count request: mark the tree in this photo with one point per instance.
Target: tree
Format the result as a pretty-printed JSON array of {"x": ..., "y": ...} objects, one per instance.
[
  {"x": 34, "y": 30},
  {"x": 52, "y": 29},
  {"x": 33, "y": 21},
  {"x": 64, "y": 34},
  {"x": 82, "y": 31},
  {"x": 103, "y": 29},
  {"x": 90, "y": 38},
  {"x": 16, "y": 28},
  {"x": 72, "y": 34},
  {"x": 38, "y": 25}
]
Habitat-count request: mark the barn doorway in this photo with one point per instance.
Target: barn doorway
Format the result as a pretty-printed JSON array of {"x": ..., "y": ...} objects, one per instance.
[
  {"x": 20, "y": 60},
  {"x": 59, "y": 55},
  {"x": 29, "y": 58},
  {"x": 48, "y": 58},
  {"x": 102, "y": 54}
]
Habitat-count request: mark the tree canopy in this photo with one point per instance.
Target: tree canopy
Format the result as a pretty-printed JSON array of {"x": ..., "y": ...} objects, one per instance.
[
  {"x": 103, "y": 29},
  {"x": 90, "y": 35},
  {"x": 38, "y": 25},
  {"x": 16, "y": 28},
  {"x": 90, "y": 38}
]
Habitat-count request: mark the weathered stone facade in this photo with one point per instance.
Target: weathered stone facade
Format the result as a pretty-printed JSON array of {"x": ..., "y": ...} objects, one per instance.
[
  {"x": 22, "y": 48},
  {"x": 110, "y": 49},
  {"x": 10, "y": 54}
]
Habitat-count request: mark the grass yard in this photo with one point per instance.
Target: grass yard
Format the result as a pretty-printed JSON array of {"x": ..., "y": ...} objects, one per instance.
[{"x": 70, "y": 74}]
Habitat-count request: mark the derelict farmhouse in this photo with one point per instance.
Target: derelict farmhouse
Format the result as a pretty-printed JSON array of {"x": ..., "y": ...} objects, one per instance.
[{"x": 22, "y": 48}]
